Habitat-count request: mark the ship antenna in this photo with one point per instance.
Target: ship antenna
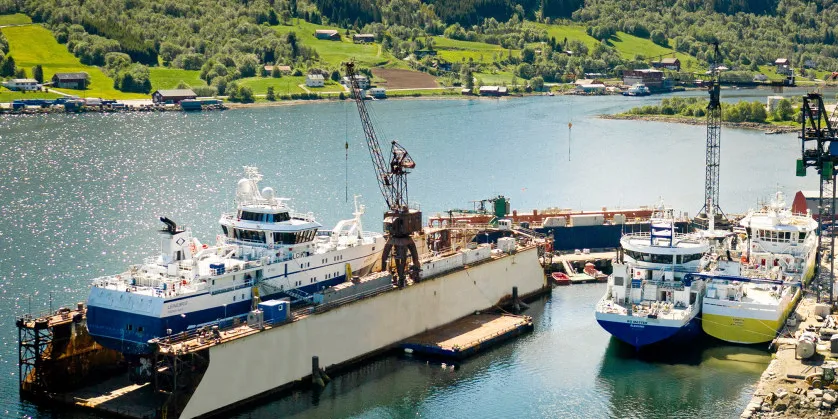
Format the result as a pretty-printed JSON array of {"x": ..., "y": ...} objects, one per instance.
[{"x": 346, "y": 150}]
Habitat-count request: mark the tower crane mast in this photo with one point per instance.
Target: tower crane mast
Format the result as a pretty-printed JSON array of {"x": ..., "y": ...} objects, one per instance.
[
  {"x": 711, "y": 209},
  {"x": 400, "y": 221}
]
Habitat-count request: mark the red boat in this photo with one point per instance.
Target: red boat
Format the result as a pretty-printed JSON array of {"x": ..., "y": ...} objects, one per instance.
[{"x": 560, "y": 278}]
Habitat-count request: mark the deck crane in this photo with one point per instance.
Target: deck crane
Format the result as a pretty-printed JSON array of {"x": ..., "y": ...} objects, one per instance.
[
  {"x": 400, "y": 221},
  {"x": 711, "y": 212}
]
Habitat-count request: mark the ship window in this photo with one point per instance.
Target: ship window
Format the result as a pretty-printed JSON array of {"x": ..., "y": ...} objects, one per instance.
[
  {"x": 234, "y": 298},
  {"x": 129, "y": 327},
  {"x": 224, "y": 229},
  {"x": 140, "y": 329},
  {"x": 800, "y": 237},
  {"x": 284, "y": 238},
  {"x": 252, "y": 236},
  {"x": 618, "y": 280}
]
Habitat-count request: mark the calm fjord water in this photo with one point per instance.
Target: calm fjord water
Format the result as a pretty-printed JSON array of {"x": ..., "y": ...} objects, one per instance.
[{"x": 80, "y": 196}]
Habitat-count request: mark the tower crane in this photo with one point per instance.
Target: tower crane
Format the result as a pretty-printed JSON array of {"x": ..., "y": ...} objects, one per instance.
[
  {"x": 711, "y": 210},
  {"x": 400, "y": 221}
]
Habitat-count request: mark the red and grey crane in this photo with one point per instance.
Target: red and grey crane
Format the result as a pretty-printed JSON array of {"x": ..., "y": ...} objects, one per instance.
[{"x": 400, "y": 221}]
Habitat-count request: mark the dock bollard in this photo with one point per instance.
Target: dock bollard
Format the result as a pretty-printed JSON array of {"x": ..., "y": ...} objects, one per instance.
[{"x": 316, "y": 373}]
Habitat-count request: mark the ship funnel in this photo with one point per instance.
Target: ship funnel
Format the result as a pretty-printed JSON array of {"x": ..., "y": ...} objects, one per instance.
[{"x": 171, "y": 227}]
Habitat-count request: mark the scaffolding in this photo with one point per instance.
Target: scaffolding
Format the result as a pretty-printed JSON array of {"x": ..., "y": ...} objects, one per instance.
[{"x": 34, "y": 337}]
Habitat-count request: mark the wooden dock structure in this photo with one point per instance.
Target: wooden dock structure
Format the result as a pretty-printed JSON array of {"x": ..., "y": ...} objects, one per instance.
[{"x": 468, "y": 335}]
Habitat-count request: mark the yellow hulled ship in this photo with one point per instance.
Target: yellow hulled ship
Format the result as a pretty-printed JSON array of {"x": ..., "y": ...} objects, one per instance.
[{"x": 749, "y": 299}]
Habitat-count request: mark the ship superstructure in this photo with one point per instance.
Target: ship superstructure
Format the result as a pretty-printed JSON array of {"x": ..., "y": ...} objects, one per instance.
[
  {"x": 266, "y": 250},
  {"x": 747, "y": 300},
  {"x": 649, "y": 297}
]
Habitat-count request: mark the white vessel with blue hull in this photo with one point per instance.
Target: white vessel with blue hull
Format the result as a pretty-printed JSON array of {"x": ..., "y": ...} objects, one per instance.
[
  {"x": 649, "y": 297},
  {"x": 266, "y": 250}
]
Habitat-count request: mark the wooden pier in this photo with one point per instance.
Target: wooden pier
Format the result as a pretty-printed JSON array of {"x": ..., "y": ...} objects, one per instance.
[{"x": 468, "y": 336}]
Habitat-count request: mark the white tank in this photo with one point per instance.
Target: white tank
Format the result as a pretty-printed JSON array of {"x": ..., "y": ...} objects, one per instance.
[{"x": 806, "y": 345}]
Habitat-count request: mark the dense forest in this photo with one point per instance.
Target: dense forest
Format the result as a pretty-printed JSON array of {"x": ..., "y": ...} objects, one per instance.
[{"x": 231, "y": 39}]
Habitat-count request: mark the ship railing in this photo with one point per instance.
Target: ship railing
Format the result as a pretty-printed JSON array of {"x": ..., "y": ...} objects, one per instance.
[
  {"x": 304, "y": 216},
  {"x": 246, "y": 284}
]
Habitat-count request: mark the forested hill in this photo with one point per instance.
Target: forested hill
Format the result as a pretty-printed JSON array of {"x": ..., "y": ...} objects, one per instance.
[{"x": 232, "y": 39}]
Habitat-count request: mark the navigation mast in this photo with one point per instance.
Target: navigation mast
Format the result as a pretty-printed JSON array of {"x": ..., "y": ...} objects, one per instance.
[{"x": 711, "y": 207}]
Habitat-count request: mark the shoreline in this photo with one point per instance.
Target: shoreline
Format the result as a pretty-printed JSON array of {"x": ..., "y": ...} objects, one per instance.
[{"x": 767, "y": 128}]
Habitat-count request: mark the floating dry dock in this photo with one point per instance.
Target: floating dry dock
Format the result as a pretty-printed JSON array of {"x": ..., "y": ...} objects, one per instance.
[
  {"x": 468, "y": 336},
  {"x": 209, "y": 371}
]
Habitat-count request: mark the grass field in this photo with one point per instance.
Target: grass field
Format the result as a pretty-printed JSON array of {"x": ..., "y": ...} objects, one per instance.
[
  {"x": 571, "y": 32},
  {"x": 7, "y": 95},
  {"x": 498, "y": 78},
  {"x": 630, "y": 46},
  {"x": 286, "y": 85},
  {"x": 15, "y": 19},
  {"x": 333, "y": 53},
  {"x": 455, "y": 51},
  {"x": 169, "y": 78},
  {"x": 33, "y": 44}
]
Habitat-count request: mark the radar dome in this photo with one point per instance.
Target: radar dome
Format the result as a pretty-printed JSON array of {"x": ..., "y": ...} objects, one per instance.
[
  {"x": 268, "y": 193},
  {"x": 244, "y": 189}
]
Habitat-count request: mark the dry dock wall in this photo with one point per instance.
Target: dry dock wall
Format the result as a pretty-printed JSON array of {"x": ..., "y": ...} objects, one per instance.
[{"x": 246, "y": 367}]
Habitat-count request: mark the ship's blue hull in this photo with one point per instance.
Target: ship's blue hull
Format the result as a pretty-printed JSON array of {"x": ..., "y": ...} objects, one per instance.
[
  {"x": 639, "y": 335},
  {"x": 108, "y": 326},
  {"x": 597, "y": 236}
]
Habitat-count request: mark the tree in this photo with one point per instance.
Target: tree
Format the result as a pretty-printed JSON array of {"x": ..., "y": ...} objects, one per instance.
[
  {"x": 245, "y": 94},
  {"x": 7, "y": 69},
  {"x": 275, "y": 73},
  {"x": 38, "y": 73},
  {"x": 182, "y": 85},
  {"x": 335, "y": 75},
  {"x": 270, "y": 95},
  {"x": 20, "y": 73},
  {"x": 783, "y": 111},
  {"x": 537, "y": 83}
]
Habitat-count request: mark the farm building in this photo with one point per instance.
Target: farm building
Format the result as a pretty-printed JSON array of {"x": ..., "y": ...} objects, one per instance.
[
  {"x": 70, "y": 80},
  {"x": 673, "y": 64},
  {"x": 363, "y": 38},
  {"x": 493, "y": 91},
  {"x": 328, "y": 34},
  {"x": 172, "y": 96},
  {"x": 589, "y": 89},
  {"x": 22, "y": 84},
  {"x": 783, "y": 65},
  {"x": 315, "y": 80}
]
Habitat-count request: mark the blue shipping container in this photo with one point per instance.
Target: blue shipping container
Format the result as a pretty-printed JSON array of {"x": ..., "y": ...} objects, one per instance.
[{"x": 275, "y": 311}]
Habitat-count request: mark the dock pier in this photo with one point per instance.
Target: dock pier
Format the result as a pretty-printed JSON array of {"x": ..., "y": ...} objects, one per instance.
[{"x": 468, "y": 336}]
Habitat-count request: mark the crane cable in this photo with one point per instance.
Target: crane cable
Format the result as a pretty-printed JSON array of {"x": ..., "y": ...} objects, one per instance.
[{"x": 346, "y": 149}]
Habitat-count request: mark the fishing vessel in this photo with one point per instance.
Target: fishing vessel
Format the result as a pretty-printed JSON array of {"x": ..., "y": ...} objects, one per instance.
[
  {"x": 637, "y": 89},
  {"x": 650, "y": 297},
  {"x": 266, "y": 250},
  {"x": 748, "y": 299}
]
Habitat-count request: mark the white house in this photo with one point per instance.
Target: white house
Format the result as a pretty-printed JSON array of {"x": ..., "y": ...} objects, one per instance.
[
  {"x": 363, "y": 81},
  {"x": 22, "y": 84},
  {"x": 315, "y": 80}
]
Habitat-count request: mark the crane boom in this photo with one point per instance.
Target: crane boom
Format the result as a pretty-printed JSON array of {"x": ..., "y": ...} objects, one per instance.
[
  {"x": 711, "y": 209},
  {"x": 400, "y": 221}
]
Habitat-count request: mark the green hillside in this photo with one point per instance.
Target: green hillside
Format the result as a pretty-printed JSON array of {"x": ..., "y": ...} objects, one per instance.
[{"x": 33, "y": 44}]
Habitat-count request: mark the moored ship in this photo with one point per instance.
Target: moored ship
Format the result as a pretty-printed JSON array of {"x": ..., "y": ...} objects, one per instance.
[
  {"x": 747, "y": 301},
  {"x": 266, "y": 250},
  {"x": 650, "y": 296}
]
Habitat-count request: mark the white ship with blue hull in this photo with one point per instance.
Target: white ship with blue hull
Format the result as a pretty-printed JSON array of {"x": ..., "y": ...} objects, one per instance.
[
  {"x": 649, "y": 297},
  {"x": 266, "y": 250}
]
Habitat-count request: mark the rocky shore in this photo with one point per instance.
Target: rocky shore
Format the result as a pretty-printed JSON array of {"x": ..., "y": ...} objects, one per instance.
[{"x": 768, "y": 128}]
